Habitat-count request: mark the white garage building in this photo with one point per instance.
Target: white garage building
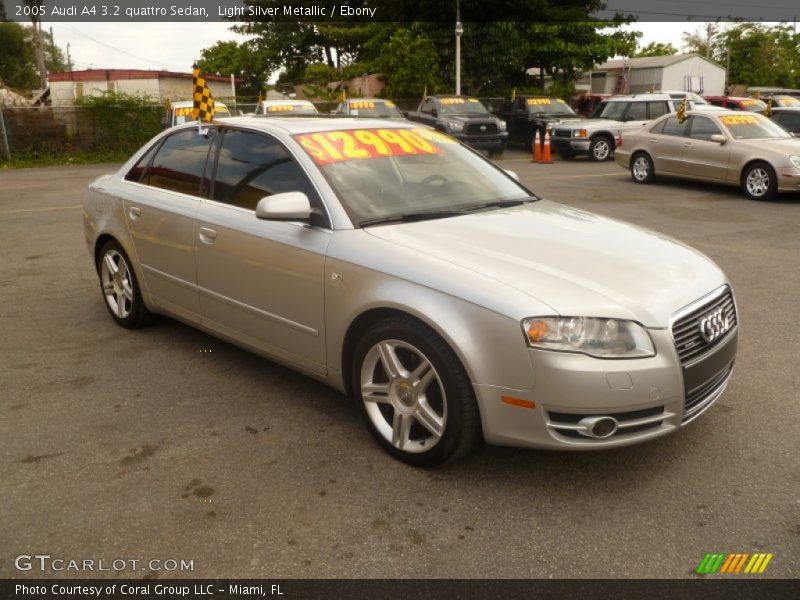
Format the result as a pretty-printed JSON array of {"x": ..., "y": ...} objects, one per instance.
[{"x": 678, "y": 72}]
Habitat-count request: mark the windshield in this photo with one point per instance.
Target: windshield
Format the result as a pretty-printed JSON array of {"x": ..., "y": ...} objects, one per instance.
[
  {"x": 374, "y": 108},
  {"x": 461, "y": 106},
  {"x": 290, "y": 109},
  {"x": 752, "y": 127},
  {"x": 548, "y": 106},
  {"x": 753, "y": 105},
  {"x": 380, "y": 173},
  {"x": 786, "y": 101}
]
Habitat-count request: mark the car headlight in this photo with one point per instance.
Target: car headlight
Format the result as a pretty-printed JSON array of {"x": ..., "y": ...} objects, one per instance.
[
  {"x": 579, "y": 133},
  {"x": 795, "y": 160},
  {"x": 501, "y": 125},
  {"x": 601, "y": 338},
  {"x": 456, "y": 126}
]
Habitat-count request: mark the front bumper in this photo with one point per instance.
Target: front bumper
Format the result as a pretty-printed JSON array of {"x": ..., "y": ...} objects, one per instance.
[
  {"x": 648, "y": 397},
  {"x": 485, "y": 142},
  {"x": 575, "y": 145},
  {"x": 789, "y": 180}
]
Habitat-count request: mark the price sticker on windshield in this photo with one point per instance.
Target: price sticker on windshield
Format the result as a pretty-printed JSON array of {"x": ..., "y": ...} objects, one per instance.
[
  {"x": 448, "y": 101},
  {"x": 362, "y": 104},
  {"x": 536, "y": 101},
  {"x": 730, "y": 120},
  {"x": 326, "y": 147},
  {"x": 183, "y": 111},
  {"x": 280, "y": 108}
]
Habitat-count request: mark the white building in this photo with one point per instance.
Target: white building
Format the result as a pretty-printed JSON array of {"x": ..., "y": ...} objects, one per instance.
[
  {"x": 678, "y": 72},
  {"x": 160, "y": 86}
]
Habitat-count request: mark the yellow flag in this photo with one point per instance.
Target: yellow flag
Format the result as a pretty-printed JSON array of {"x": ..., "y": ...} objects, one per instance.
[
  {"x": 681, "y": 114},
  {"x": 513, "y": 94},
  {"x": 425, "y": 93},
  {"x": 203, "y": 107},
  {"x": 768, "y": 110}
]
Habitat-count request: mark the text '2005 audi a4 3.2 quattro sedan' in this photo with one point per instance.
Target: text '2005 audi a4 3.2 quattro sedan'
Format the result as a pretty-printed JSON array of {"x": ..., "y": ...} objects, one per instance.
[{"x": 399, "y": 266}]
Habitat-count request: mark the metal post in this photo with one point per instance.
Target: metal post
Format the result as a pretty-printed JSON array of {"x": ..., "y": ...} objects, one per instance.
[
  {"x": 459, "y": 31},
  {"x": 4, "y": 137}
]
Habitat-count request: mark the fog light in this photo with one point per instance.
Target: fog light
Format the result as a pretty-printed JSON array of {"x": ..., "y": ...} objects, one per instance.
[{"x": 598, "y": 427}]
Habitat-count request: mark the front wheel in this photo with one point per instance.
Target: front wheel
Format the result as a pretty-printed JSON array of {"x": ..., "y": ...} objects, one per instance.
[
  {"x": 600, "y": 149},
  {"x": 416, "y": 397},
  {"x": 642, "y": 169},
  {"x": 120, "y": 287},
  {"x": 759, "y": 182}
]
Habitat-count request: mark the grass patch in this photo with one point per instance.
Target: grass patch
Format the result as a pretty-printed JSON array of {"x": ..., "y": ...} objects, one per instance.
[{"x": 33, "y": 159}]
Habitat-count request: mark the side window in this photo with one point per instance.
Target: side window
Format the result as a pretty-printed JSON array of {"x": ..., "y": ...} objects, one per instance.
[
  {"x": 791, "y": 121},
  {"x": 519, "y": 104},
  {"x": 137, "y": 172},
  {"x": 427, "y": 106},
  {"x": 672, "y": 127},
  {"x": 252, "y": 165},
  {"x": 656, "y": 109},
  {"x": 637, "y": 111},
  {"x": 658, "y": 127},
  {"x": 703, "y": 128},
  {"x": 180, "y": 161}
]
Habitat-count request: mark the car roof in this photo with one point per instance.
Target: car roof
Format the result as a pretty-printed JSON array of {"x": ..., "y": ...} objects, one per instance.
[
  {"x": 451, "y": 96},
  {"x": 368, "y": 99},
  {"x": 298, "y": 125},
  {"x": 295, "y": 101},
  {"x": 188, "y": 103}
]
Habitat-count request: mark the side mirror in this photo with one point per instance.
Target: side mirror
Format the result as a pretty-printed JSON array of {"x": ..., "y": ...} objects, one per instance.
[
  {"x": 434, "y": 112},
  {"x": 288, "y": 206},
  {"x": 718, "y": 137},
  {"x": 512, "y": 174}
]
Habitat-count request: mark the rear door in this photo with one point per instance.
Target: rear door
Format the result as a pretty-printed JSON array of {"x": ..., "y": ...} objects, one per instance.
[
  {"x": 666, "y": 143},
  {"x": 161, "y": 206}
]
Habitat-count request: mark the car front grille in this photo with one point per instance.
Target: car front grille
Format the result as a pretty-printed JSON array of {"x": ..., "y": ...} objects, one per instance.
[
  {"x": 689, "y": 342},
  {"x": 704, "y": 395},
  {"x": 566, "y": 424},
  {"x": 563, "y": 133},
  {"x": 475, "y": 128}
]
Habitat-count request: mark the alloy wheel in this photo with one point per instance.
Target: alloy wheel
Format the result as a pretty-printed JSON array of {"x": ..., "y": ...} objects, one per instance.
[
  {"x": 117, "y": 284},
  {"x": 757, "y": 182}
]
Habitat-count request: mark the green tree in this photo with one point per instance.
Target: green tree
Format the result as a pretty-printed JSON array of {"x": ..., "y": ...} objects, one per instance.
[
  {"x": 17, "y": 60},
  {"x": 701, "y": 41},
  {"x": 246, "y": 60},
  {"x": 408, "y": 62},
  {"x": 656, "y": 49},
  {"x": 760, "y": 55}
]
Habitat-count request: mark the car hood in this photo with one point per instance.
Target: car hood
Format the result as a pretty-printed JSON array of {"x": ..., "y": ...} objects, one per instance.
[
  {"x": 471, "y": 118},
  {"x": 785, "y": 146},
  {"x": 578, "y": 263}
]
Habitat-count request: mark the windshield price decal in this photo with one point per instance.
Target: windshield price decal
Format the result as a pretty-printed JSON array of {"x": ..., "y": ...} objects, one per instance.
[
  {"x": 788, "y": 102},
  {"x": 362, "y": 104},
  {"x": 752, "y": 102},
  {"x": 532, "y": 101},
  {"x": 738, "y": 120},
  {"x": 280, "y": 108},
  {"x": 327, "y": 147},
  {"x": 448, "y": 101},
  {"x": 183, "y": 112}
]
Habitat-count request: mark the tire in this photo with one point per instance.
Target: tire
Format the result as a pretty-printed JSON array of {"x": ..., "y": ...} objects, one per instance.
[
  {"x": 759, "y": 182},
  {"x": 642, "y": 168},
  {"x": 565, "y": 154},
  {"x": 421, "y": 407},
  {"x": 120, "y": 288},
  {"x": 601, "y": 148}
]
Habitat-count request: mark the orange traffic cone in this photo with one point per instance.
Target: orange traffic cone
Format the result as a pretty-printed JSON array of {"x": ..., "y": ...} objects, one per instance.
[
  {"x": 546, "y": 148},
  {"x": 537, "y": 149}
]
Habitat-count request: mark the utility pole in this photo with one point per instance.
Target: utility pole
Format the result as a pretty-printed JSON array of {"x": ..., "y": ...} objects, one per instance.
[
  {"x": 459, "y": 32},
  {"x": 69, "y": 60}
]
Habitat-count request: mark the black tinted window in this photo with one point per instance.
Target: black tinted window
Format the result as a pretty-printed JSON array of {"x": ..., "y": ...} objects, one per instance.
[
  {"x": 138, "y": 171},
  {"x": 636, "y": 112},
  {"x": 672, "y": 127},
  {"x": 251, "y": 166},
  {"x": 179, "y": 163},
  {"x": 789, "y": 121},
  {"x": 657, "y": 109},
  {"x": 703, "y": 128}
]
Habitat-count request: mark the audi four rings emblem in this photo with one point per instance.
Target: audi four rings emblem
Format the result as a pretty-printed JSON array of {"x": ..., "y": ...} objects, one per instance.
[{"x": 713, "y": 325}]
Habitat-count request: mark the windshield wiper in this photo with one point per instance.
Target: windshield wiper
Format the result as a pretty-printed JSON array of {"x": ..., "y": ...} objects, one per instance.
[
  {"x": 420, "y": 215},
  {"x": 500, "y": 203}
]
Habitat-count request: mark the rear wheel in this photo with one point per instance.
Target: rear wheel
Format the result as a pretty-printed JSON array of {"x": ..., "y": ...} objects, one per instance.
[
  {"x": 416, "y": 397},
  {"x": 120, "y": 287},
  {"x": 759, "y": 182},
  {"x": 600, "y": 149},
  {"x": 642, "y": 169}
]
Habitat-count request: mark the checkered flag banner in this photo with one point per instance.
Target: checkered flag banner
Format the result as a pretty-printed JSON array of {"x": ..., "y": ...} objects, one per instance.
[
  {"x": 203, "y": 109},
  {"x": 682, "y": 111}
]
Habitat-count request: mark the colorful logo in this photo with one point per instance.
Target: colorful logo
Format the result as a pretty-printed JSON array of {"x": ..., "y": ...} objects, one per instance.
[{"x": 742, "y": 562}]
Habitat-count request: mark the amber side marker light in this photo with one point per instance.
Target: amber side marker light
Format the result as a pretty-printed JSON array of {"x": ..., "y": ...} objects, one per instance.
[
  {"x": 537, "y": 331},
  {"x": 517, "y": 402}
]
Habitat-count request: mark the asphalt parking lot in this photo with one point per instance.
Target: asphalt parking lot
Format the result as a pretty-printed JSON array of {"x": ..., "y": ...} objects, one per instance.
[{"x": 167, "y": 443}]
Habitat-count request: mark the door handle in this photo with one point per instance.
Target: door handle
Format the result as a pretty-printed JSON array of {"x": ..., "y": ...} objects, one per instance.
[
  {"x": 653, "y": 141},
  {"x": 207, "y": 236},
  {"x": 687, "y": 145},
  {"x": 134, "y": 213}
]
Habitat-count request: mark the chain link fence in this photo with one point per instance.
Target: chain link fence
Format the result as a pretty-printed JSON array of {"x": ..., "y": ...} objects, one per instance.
[{"x": 65, "y": 131}]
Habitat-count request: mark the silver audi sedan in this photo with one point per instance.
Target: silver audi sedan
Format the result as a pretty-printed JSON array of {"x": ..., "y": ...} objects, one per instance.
[{"x": 404, "y": 269}]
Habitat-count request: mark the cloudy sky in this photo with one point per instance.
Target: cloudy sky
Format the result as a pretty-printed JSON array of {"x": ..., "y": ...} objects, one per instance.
[{"x": 175, "y": 47}]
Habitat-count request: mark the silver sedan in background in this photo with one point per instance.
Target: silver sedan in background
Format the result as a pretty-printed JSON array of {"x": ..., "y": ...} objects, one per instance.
[
  {"x": 402, "y": 268},
  {"x": 731, "y": 147}
]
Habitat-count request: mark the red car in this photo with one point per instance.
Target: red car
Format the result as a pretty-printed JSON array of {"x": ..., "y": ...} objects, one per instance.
[
  {"x": 737, "y": 103},
  {"x": 585, "y": 104}
]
